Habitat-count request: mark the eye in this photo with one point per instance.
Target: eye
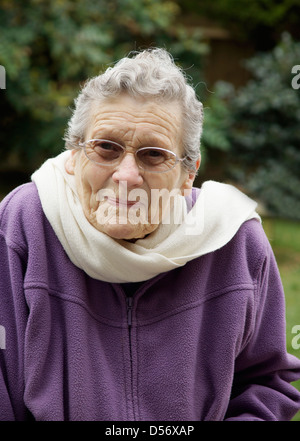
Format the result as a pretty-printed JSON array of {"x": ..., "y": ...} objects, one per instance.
[
  {"x": 106, "y": 150},
  {"x": 105, "y": 145},
  {"x": 151, "y": 156}
]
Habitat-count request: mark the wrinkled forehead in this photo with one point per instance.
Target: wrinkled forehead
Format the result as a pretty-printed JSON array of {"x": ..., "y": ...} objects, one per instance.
[{"x": 126, "y": 117}]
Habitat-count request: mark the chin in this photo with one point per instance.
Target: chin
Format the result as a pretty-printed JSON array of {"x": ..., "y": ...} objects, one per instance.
[
  {"x": 111, "y": 221},
  {"x": 127, "y": 231}
]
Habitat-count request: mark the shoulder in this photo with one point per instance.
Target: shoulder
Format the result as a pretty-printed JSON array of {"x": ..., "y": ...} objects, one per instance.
[
  {"x": 20, "y": 212},
  {"x": 236, "y": 265},
  {"x": 23, "y": 200},
  {"x": 252, "y": 240},
  {"x": 24, "y": 193},
  {"x": 247, "y": 251},
  {"x": 252, "y": 235}
]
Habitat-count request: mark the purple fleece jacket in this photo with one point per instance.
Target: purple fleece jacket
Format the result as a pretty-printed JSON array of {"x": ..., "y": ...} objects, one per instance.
[{"x": 203, "y": 342}]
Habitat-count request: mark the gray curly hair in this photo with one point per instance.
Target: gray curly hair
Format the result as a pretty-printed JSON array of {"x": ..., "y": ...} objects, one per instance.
[{"x": 149, "y": 73}]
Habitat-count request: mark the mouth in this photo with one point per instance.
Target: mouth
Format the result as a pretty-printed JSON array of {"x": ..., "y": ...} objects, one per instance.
[
  {"x": 123, "y": 203},
  {"x": 123, "y": 199}
]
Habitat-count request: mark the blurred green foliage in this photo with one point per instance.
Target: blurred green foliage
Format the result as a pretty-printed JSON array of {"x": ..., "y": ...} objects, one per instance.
[
  {"x": 215, "y": 142},
  {"x": 263, "y": 129},
  {"x": 50, "y": 48},
  {"x": 261, "y": 21}
]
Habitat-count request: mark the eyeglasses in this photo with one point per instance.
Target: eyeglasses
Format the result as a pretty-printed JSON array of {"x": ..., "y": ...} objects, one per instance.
[{"x": 109, "y": 153}]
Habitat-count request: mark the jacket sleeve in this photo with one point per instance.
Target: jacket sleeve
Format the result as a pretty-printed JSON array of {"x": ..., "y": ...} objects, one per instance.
[
  {"x": 13, "y": 316},
  {"x": 264, "y": 370}
]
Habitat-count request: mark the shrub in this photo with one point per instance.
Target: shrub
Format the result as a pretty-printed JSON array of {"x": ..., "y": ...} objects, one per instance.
[
  {"x": 264, "y": 131},
  {"x": 50, "y": 48}
]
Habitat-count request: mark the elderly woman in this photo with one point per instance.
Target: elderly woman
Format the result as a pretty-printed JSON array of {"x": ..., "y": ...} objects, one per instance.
[{"x": 127, "y": 294}]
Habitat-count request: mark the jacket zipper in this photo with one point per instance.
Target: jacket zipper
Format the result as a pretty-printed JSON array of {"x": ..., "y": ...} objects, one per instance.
[{"x": 129, "y": 302}]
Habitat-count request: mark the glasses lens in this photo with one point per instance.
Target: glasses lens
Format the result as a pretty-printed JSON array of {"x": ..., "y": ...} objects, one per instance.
[
  {"x": 156, "y": 159},
  {"x": 103, "y": 152}
]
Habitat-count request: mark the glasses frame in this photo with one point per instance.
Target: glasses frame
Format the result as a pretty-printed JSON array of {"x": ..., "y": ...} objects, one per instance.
[{"x": 111, "y": 164}]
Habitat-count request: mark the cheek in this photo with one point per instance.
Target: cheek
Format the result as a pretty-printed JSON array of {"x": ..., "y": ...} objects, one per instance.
[
  {"x": 90, "y": 177},
  {"x": 168, "y": 181}
]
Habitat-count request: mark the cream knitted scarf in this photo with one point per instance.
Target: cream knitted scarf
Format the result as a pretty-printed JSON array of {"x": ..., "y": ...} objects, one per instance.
[{"x": 219, "y": 211}]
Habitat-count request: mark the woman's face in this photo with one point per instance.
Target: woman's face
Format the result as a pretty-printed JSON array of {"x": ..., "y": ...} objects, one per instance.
[{"x": 118, "y": 200}]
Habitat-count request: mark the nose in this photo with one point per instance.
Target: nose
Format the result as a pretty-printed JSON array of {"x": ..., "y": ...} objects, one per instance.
[{"x": 128, "y": 171}]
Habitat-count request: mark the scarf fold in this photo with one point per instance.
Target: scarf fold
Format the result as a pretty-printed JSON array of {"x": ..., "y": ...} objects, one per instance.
[{"x": 216, "y": 216}]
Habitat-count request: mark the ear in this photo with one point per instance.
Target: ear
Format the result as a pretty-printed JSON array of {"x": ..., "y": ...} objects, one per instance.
[
  {"x": 70, "y": 162},
  {"x": 187, "y": 185}
]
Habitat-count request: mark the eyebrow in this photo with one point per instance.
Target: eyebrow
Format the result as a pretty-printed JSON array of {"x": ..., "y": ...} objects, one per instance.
[
  {"x": 150, "y": 140},
  {"x": 108, "y": 138}
]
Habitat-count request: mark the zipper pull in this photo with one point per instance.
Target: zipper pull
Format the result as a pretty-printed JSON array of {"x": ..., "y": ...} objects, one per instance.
[{"x": 129, "y": 301}]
